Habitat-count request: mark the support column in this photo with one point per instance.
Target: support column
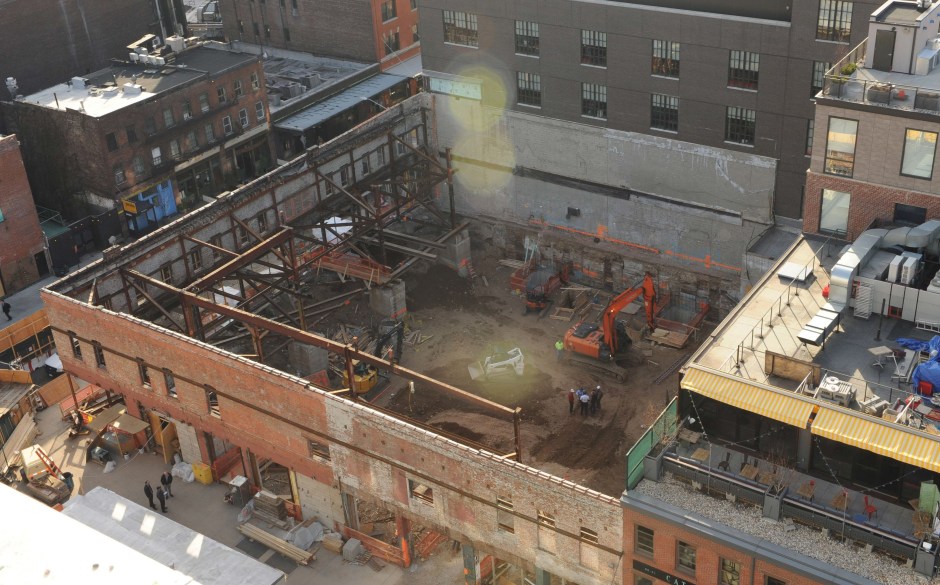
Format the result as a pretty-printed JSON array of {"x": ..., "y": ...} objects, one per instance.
[
  {"x": 804, "y": 449},
  {"x": 403, "y": 528},
  {"x": 471, "y": 564},
  {"x": 352, "y": 511}
]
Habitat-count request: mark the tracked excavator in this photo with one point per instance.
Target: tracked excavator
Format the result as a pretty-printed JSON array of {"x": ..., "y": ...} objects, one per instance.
[
  {"x": 598, "y": 346},
  {"x": 388, "y": 345}
]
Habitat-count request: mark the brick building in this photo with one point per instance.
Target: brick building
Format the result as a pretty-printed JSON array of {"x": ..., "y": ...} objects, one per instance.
[
  {"x": 157, "y": 131},
  {"x": 878, "y": 118},
  {"x": 372, "y": 31},
  {"x": 23, "y": 257},
  {"x": 45, "y": 41},
  {"x": 731, "y": 75}
]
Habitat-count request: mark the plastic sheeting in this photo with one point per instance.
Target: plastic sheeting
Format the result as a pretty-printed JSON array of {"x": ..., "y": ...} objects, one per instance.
[{"x": 928, "y": 371}]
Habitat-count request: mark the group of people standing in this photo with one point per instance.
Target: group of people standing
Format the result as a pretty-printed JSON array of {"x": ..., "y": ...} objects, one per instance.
[
  {"x": 585, "y": 400},
  {"x": 164, "y": 491}
]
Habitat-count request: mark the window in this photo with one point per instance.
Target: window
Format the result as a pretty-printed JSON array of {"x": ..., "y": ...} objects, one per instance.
[
  {"x": 195, "y": 260},
  {"x": 192, "y": 141},
  {"x": 391, "y": 41},
  {"x": 840, "y": 147},
  {"x": 665, "y": 112},
  {"x": 99, "y": 354},
  {"x": 168, "y": 120},
  {"x": 460, "y": 28},
  {"x": 685, "y": 556},
  {"x": 157, "y": 158},
  {"x": 505, "y": 520},
  {"x": 187, "y": 110},
  {"x": 388, "y": 10},
  {"x": 835, "y": 21},
  {"x": 257, "y": 31},
  {"x": 594, "y": 100},
  {"x": 588, "y": 548},
  {"x": 743, "y": 68},
  {"x": 421, "y": 492},
  {"x": 131, "y": 134},
  {"x": 414, "y": 4},
  {"x": 255, "y": 81},
  {"x": 166, "y": 272},
  {"x": 546, "y": 530},
  {"x": 666, "y": 58},
  {"x": 819, "y": 77},
  {"x": 143, "y": 372},
  {"x": 175, "y": 151},
  {"x": 775, "y": 581},
  {"x": 810, "y": 130},
  {"x": 529, "y": 89},
  {"x": 262, "y": 222},
  {"x": 834, "y": 212},
  {"x": 527, "y": 38},
  {"x": 415, "y": 37},
  {"x": 111, "y": 139},
  {"x": 259, "y": 111},
  {"x": 344, "y": 175},
  {"x": 911, "y": 215},
  {"x": 216, "y": 241},
  {"x": 220, "y": 92},
  {"x": 139, "y": 165},
  {"x": 740, "y": 125},
  {"x": 150, "y": 128},
  {"x": 365, "y": 166},
  {"x": 243, "y": 117},
  {"x": 76, "y": 345},
  {"x": 204, "y": 102},
  {"x": 212, "y": 402},
  {"x": 170, "y": 383},
  {"x": 593, "y": 48},
  {"x": 318, "y": 449},
  {"x": 227, "y": 125},
  {"x": 730, "y": 573},
  {"x": 119, "y": 177},
  {"x": 237, "y": 88},
  {"x": 210, "y": 133},
  {"x": 243, "y": 236},
  {"x": 920, "y": 147},
  {"x": 644, "y": 541}
]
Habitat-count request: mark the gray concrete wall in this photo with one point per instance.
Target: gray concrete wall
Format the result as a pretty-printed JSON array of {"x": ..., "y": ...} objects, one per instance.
[{"x": 693, "y": 200}]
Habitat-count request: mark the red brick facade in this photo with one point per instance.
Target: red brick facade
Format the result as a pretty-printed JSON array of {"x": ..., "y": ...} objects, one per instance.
[
  {"x": 21, "y": 238},
  {"x": 869, "y": 202}
]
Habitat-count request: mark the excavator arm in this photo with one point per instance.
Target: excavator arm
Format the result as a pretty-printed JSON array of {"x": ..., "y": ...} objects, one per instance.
[{"x": 609, "y": 319}]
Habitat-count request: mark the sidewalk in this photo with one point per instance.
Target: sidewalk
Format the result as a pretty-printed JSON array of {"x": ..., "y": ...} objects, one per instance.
[{"x": 201, "y": 508}]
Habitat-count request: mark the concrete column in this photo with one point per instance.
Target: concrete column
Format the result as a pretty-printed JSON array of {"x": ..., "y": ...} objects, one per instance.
[
  {"x": 457, "y": 253},
  {"x": 804, "y": 449},
  {"x": 471, "y": 564},
  {"x": 389, "y": 300}
]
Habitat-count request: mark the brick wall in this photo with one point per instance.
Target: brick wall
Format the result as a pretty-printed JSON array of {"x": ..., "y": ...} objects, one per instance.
[
  {"x": 47, "y": 41},
  {"x": 20, "y": 236},
  {"x": 373, "y": 456},
  {"x": 868, "y": 203}
]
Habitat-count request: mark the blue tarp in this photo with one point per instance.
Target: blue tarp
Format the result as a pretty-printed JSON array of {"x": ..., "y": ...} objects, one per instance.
[{"x": 928, "y": 371}]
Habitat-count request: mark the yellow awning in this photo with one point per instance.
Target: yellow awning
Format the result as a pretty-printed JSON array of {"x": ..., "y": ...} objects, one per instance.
[
  {"x": 878, "y": 436},
  {"x": 748, "y": 395}
]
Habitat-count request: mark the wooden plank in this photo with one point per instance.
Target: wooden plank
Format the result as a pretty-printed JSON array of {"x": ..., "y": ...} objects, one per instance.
[{"x": 276, "y": 544}]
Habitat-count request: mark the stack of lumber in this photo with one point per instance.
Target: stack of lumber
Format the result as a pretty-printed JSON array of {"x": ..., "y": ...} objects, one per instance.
[
  {"x": 271, "y": 508},
  {"x": 414, "y": 338},
  {"x": 276, "y": 544}
]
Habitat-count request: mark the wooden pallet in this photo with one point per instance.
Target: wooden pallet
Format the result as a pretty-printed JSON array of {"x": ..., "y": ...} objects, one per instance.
[
  {"x": 279, "y": 545},
  {"x": 562, "y": 314}
]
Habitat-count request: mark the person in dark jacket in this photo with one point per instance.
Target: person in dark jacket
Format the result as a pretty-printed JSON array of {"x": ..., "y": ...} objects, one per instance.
[
  {"x": 161, "y": 495},
  {"x": 148, "y": 491},
  {"x": 167, "y": 480}
]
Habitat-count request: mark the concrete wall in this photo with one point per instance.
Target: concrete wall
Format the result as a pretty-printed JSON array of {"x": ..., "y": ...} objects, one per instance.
[{"x": 665, "y": 195}]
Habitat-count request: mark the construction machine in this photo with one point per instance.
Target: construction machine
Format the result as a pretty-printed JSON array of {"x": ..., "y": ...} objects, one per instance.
[
  {"x": 598, "y": 346},
  {"x": 541, "y": 284},
  {"x": 43, "y": 479},
  {"x": 366, "y": 376}
]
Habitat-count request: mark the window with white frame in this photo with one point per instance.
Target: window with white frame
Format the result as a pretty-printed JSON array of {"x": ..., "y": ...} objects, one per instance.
[
  {"x": 259, "y": 111},
  {"x": 237, "y": 88},
  {"x": 119, "y": 177},
  {"x": 835, "y": 21},
  {"x": 210, "y": 133},
  {"x": 740, "y": 125},
  {"x": 255, "y": 81},
  {"x": 528, "y": 89},
  {"x": 920, "y": 149},
  {"x": 840, "y": 147},
  {"x": 665, "y": 58},
  {"x": 743, "y": 69},
  {"x": 155, "y": 154},
  {"x": 594, "y": 100},
  {"x": 527, "y": 38},
  {"x": 460, "y": 28},
  {"x": 594, "y": 48},
  {"x": 664, "y": 114},
  {"x": 834, "y": 212},
  {"x": 139, "y": 165},
  {"x": 204, "y": 102},
  {"x": 243, "y": 117},
  {"x": 819, "y": 77},
  {"x": 227, "y": 125}
]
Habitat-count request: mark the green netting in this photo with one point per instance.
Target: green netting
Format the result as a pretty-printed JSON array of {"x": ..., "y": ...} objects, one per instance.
[{"x": 664, "y": 425}]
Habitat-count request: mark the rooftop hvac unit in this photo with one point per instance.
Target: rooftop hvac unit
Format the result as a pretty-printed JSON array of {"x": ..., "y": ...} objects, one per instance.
[
  {"x": 109, "y": 92},
  {"x": 909, "y": 270},
  {"x": 134, "y": 57},
  {"x": 894, "y": 269},
  {"x": 159, "y": 61},
  {"x": 79, "y": 82}
]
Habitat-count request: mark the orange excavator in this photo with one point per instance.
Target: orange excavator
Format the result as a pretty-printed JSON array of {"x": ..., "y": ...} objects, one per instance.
[{"x": 599, "y": 346}]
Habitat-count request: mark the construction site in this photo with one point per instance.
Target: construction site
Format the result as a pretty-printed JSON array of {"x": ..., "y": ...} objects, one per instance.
[{"x": 342, "y": 335}]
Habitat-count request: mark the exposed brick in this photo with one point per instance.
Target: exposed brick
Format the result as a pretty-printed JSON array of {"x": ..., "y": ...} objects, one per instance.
[{"x": 20, "y": 236}]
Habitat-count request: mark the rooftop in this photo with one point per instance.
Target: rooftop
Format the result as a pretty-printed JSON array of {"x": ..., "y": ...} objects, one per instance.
[{"x": 125, "y": 83}]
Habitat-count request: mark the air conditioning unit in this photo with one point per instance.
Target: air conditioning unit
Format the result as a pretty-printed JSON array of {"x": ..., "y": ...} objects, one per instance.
[
  {"x": 894, "y": 268},
  {"x": 134, "y": 57}
]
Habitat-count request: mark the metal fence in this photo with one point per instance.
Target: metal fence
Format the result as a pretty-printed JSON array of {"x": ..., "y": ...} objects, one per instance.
[{"x": 664, "y": 426}]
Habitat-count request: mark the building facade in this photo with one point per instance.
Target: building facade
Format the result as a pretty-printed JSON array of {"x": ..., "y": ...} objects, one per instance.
[
  {"x": 735, "y": 75},
  {"x": 874, "y": 157},
  {"x": 372, "y": 31},
  {"x": 23, "y": 257},
  {"x": 154, "y": 134}
]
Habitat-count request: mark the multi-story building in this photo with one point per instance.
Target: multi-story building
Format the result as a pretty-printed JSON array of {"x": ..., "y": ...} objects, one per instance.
[
  {"x": 74, "y": 37},
  {"x": 730, "y": 75},
  {"x": 23, "y": 257},
  {"x": 875, "y": 152},
  {"x": 155, "y": 132},
  {"x": 372, "y": 31}
]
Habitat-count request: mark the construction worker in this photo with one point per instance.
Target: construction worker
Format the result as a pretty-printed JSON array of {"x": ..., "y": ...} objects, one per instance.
[
  {"x": 585, "y": 402},
  {"x": 600, "y": 394},
  {"x": 571, "y": 401},
  {"x": 559, "y": 350}
]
